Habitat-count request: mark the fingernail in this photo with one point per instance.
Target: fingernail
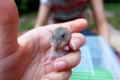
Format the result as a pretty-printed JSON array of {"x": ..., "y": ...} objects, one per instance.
[
  {"x": 60, "y": 65},
  {"x": 76, "y": 43},
  {"x": 45, "y": 79}
]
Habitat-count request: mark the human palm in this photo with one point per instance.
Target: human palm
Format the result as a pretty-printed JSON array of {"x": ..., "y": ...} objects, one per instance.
[{"x": 22, "y": 58}]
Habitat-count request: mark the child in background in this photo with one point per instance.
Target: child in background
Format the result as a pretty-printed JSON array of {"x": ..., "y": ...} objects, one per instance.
[{"x": 67, "y": 10}]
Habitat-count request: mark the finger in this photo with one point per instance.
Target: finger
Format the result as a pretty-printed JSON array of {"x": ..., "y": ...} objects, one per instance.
[
  {"x": 68, "y": 61},
  {"x": 73, "y": 26},
  {"x": 77, "y": 41},
  {"x": 57, "y": 76},
  {"x": 8, "y": 24}
]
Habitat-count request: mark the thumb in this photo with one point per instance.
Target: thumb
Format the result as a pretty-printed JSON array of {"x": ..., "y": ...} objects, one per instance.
[{"x": 8, "y": 25}]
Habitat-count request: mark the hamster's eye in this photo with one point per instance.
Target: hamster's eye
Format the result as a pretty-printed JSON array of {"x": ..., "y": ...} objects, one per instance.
[
  {"x": 52, "y": 36},
  {"x": 63, "y": 36}
]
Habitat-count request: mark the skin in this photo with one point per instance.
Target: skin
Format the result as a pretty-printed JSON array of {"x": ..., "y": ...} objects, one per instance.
[
  {"x": 21, "y": 58},
  {"x": 97, "y": 9},
  {"x": 42, "y": 19},
  {"x": 100, "y": 18}
]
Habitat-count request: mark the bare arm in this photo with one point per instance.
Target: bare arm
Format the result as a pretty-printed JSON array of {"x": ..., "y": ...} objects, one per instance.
[
  {"x": 43, "y": 15},
  {"x": 100, "y": 19}
]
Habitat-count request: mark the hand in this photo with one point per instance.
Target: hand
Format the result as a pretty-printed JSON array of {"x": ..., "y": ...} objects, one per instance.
[{"x": 22, "y": 58}]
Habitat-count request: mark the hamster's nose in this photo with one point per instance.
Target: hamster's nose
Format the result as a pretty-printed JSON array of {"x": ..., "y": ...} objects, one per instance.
[{"x": 58, "y": 42}]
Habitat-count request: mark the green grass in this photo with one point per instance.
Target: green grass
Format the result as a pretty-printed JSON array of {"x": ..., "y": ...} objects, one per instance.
[
  {"x": 115, "y": 9},
  {"x": 28, "y": 22}
]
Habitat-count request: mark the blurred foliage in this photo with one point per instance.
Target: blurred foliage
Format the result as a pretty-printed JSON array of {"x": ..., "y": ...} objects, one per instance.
[
  {"x": 111, "y": 1},
  {"x": 27, "y": 22},
  {"x": 114, "y": 9},
  {"x": 25, "y": 6}
]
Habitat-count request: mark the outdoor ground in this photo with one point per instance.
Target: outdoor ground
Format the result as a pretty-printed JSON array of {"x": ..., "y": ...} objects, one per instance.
[{"x": 27, "y": 21}]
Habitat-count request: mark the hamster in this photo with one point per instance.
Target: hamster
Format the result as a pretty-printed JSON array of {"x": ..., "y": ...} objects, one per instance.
[{"x": 59, "y": 42}]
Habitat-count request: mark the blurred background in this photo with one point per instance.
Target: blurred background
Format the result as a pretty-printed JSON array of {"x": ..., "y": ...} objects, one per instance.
[{"x": 28, "y": 10}]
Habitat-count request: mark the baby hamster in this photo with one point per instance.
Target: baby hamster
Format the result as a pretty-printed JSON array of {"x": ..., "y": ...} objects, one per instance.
[{"x": 59, "y": 42}]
